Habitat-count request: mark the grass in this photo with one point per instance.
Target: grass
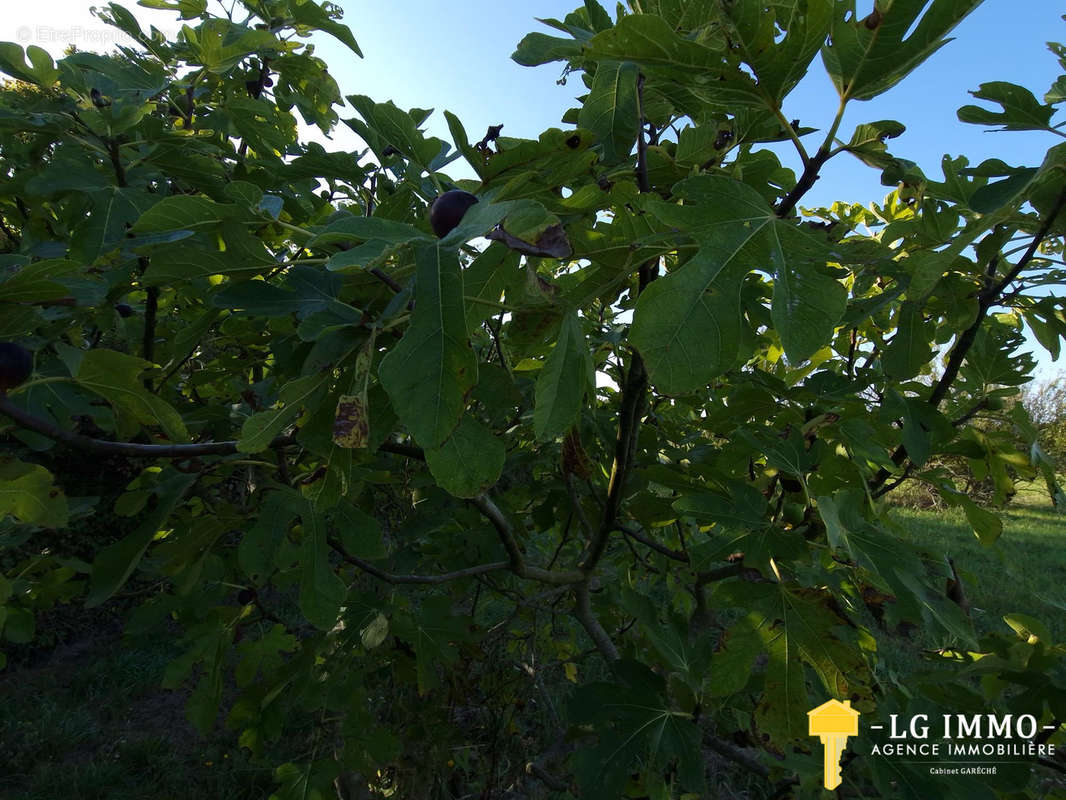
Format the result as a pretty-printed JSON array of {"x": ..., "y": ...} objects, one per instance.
[
  {"x": 1023, "y": 572},
  {"x": 90, "y": 721}
]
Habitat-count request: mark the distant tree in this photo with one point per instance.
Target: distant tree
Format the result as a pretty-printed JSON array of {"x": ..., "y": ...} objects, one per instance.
[{"x": 1046, "y": 403}]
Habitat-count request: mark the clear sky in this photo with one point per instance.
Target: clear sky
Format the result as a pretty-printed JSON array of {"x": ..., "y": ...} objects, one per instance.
[{"x": 456, "y": 56}]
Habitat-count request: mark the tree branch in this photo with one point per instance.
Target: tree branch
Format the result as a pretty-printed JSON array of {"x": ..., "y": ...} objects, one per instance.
[
  {"x": 388, "y": 577},
  {"x": 987, "y": 299},
  {"x": 632, "y": 407},
  {"x": 28, "y": 421},
  {"x": 517, "y": 562},
  {"x": 803, "y": 185},
  {"x": 736, "y": 755},
  {"x": 662, "y": 549},
  {"x": 592, "y": 626}
]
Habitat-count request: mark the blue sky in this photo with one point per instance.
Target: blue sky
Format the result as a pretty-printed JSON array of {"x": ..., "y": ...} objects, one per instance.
[{"x": 456, "y": 56}]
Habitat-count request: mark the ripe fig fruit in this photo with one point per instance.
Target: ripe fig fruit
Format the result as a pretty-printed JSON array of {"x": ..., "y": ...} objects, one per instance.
[
  {"x": 16, "y": 364},
  {"x": 448, "y": 210},
  {"x": 124, "y": 310}
]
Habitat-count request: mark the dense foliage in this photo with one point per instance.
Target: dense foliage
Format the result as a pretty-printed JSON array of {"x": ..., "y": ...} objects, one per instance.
[{"x": 586, "y": 497}]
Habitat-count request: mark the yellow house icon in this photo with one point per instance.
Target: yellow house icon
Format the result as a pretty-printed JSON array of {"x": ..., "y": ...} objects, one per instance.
[{"x": 833, "y": 722}]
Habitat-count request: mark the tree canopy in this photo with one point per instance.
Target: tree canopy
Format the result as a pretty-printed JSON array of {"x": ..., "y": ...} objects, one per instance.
[{"x": 606, "y": 467}]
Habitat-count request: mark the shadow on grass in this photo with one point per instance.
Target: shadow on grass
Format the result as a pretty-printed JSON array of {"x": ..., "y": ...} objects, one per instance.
[{"x": 90, "y": 721}]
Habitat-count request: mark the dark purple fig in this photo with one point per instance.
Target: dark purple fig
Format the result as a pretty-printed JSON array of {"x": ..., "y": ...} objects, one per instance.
[
  {"x": 448, "y": 210},
  {"x": 124, "y": 310},
  {"x": 16, "y": 365}
]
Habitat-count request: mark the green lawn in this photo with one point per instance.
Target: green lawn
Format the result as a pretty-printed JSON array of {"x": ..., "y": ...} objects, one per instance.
[{"x": 1024, "y": 571}]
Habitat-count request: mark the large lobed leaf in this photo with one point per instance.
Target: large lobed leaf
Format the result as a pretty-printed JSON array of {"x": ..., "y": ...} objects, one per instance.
[{"x": 429, "y": 374}]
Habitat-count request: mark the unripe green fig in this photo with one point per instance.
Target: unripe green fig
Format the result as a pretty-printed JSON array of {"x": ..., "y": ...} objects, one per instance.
[
  {"x": 448, "y": 210},
  {"x": 16, "y": 365},
  {"x": 793, "y": 513}
]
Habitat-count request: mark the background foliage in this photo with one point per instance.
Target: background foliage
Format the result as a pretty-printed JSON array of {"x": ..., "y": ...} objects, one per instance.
[{"x": 597, "y": 482}]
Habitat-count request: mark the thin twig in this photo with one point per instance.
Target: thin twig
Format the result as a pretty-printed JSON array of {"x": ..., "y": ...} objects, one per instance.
[
  {"x": 388, "y": 577},
  {"x": 80, "y": 442},
  {"x": 633, "y": 533}
]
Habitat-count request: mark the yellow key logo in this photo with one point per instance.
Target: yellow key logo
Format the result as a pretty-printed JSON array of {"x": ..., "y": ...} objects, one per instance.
[{"x": 833, "y": 722}]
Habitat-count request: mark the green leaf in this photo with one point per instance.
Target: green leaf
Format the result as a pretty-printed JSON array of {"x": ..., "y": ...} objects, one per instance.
[
  {"x": 563, "y": 382},
  {"x": 40, "y": 71},
  {"x": 868, "y": 142},
  {"x": 104, "y": 228},
  {"x": 28, "y": 493},
  {"x": 1021, "y": 110},
  {"x": 1030, "y": 628},
  {"x": 924, "y": 428},
  {"x": 219, "y": 44},
  {"x": 378, "y": 237},
  {"x": 634, "y": 721},
  {"x": 909, "y": 352},
  {"x": 115, "y": 563},
  {"x": 182, "y": 212},
  {"x": 321, "y": 590},
  {"x": 259, "y": 430},
  {"x": 668, "y": 634},
  {"x": 743, "y": 507},
  {"x": 789, "y": 454},
  {"x": 312, "y": 15},
  {"x": 651, "y": 40},
  {"x": 486, "y": 278},
  {"x": 539, "y": 48},
  {"x": 19, "y": 625},
  {"x": 352, "y": 228},
  {"x": 173, "y": 265},
  {"x": 360, "y": 533},
  {"x": 267, "y": 129},
  {"x": 687, "y": 324},
  {"x": 433, "y": 634},
  {"x": 384, "y": 125},
  {"x": 807, "y": 303},
  {"x": 261, "y": 656},
  {"x": 987, "y": 526},
  {"x": 849, "y": 532},
  {"x": 610, "y": 110},
  {"x": 998, "y": 194},
  {"x": 868, "y": 56},
  {"x": 429, "y": 374},
  {"x": 469, "y": 461},
  {"x": 778, "y": 62},
  {"x": 116, "y": 377},
  {"x": 39, "y": 281},
  {"x": 259, "y": 544},
  {"x": 798, "y": 627},
  {"x": 733, "y": 663}
]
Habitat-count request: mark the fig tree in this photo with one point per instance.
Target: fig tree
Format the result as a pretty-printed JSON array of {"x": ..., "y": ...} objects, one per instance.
[
  {"x": 448, "y": 210},
  {"x": 16, "y": 364}
]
